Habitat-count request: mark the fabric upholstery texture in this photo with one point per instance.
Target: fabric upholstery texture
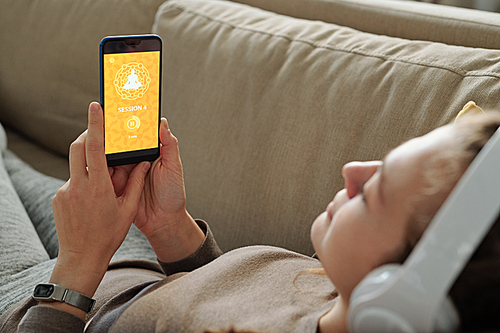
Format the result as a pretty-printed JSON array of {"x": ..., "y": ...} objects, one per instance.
[
  {"x": 3, "y": 139},
  {"x": 267, "y": 109},
  {"x": 406, "y": 19},
  {"x": 22, "y": 251},
  {"x": 39, "y": 157},
  {"x": 35, "y": 191},
  {"x": 49, "y": 67}
]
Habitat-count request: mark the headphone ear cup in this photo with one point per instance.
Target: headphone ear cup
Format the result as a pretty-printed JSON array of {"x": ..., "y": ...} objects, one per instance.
[
  {"x": 376, "y": 279},
  {"x": 447, "y": 319},
  {"x": 364, "y": 317}
]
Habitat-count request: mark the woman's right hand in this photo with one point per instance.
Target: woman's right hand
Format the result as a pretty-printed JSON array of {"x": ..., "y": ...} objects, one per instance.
[{"x": 162, "y": 215}]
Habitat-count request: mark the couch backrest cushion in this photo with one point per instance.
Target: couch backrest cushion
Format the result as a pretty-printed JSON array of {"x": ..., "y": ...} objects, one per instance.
[
  {"x": 404, "y": 19},
  {"x": 268, "y": 108},
  {"x": 49, "y": 61}
]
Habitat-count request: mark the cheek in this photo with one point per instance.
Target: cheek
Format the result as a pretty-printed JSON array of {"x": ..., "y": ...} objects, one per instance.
[
  {"x": 327, "y": 237},
  {"x": 338, "y": 245},
  {"x": 335, "y": 235},
  {"x": 322, "y": 223},
  {"x": 318, "y": 231}
]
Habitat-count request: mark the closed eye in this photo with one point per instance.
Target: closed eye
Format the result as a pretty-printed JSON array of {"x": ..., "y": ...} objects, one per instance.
[{"x": 363, "y": 195}]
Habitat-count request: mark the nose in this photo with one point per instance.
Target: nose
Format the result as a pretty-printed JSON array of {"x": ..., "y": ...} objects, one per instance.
[{"x": 356, "y": 174}]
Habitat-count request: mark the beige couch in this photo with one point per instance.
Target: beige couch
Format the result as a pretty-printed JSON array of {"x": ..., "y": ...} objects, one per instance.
[{"x": 268, "y": 98}]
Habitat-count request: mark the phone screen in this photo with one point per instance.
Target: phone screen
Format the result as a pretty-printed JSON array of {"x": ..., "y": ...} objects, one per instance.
[{"x": 131, "y": 100}]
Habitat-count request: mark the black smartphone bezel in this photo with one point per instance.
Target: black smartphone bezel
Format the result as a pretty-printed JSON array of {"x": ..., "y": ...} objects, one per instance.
[{"x": 126, "y": 44}]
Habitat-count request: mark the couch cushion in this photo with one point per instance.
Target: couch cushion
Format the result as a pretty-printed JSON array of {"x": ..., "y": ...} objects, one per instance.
[
  {"x": 49, "y": 63},
  {"x": 3, "y": 139},
  {"x": 405, "y": 19},
  {"x": 42, "y": 160},
  {"x": 268, "y": 108}
]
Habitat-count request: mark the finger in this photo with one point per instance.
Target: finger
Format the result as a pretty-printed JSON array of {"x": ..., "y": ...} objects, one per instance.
[
  {"x": 120, "y": 176},
  {"x": 127, "y": 168},
  {"x": 135, "y": 184},
  {"x": 164, "y": 131},
  {"x": 170, "y": 147},
  {"x": 77, "y": 160},
  {"x": 96, "y": 159}
]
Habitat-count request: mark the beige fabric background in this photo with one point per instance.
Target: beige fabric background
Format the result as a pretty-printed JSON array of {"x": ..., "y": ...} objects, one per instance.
[
  {"x": 268, "y": 108},
  {"x": 49, "y": 61},
  {"x": 417, "y": 21}
]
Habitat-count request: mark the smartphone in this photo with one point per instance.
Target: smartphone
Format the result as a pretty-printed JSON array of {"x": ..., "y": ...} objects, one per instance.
[{"x": 130, "y": 75}]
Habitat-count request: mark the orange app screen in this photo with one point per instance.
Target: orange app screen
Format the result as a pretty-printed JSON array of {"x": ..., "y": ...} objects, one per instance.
[{"x": 131, "y": 101}]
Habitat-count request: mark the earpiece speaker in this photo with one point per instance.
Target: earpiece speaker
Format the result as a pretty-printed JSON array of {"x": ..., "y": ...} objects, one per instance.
[{"x": 380, "y": 304}]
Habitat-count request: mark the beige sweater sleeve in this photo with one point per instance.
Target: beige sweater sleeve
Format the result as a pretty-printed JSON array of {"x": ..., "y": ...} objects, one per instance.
[
  {"x": 47, "y": 319},
  {"x": 208, "y": 251}
]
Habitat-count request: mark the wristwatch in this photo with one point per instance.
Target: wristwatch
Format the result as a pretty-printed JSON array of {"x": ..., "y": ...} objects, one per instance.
[{"x": 50, "y": 292}]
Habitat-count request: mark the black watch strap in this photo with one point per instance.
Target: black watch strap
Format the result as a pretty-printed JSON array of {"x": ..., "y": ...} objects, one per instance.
[{"x": 50, "y": 292}]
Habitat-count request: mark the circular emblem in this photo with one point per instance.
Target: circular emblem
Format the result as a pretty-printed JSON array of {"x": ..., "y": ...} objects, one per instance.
[
  {"x": 132, "y": 81},
  {"x": 133, "y": 123}
]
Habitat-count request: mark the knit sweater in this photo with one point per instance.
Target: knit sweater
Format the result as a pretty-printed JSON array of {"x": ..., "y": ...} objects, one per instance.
[{"x": 256, "y": 288}]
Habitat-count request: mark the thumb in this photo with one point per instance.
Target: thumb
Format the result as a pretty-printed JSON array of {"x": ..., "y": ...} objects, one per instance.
[
  {"x": 135, "y": 184},
  {"x": 170, "y": 146}
]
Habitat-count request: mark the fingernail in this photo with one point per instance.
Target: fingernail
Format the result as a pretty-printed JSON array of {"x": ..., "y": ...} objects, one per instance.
[
  {"x": 94, "y": 107},
  {"x": 146, "y": 166}
]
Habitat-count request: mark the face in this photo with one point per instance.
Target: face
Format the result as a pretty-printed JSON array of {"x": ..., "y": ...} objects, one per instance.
[{"x": 365, "y": 225}]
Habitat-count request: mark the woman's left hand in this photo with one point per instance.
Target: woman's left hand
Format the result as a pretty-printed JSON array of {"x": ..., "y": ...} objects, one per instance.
[{"x": 91, "y": 220}]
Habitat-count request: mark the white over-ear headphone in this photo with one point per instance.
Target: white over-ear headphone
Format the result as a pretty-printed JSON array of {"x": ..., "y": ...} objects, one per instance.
[{"x": 412, "y": 297}]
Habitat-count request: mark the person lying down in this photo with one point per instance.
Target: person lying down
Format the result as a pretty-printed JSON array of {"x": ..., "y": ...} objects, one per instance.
[{"x": 376, "y": 219}]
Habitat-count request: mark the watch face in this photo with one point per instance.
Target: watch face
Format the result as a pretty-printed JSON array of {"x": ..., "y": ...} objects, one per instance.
[{"x": 44, "y": 290}]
